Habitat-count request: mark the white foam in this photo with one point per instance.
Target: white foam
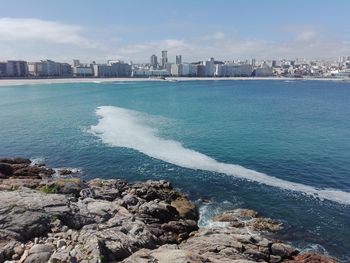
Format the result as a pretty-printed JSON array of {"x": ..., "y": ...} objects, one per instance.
[{"x": 121, "y": 127}]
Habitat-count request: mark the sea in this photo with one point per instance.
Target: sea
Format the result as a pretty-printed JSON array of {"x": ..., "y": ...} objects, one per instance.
[{"x": 279, "y": 147}]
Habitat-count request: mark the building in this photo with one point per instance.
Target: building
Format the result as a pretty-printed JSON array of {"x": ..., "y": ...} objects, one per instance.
[
  {"x": 3, "y": 71},
  {"x": 210, "y": 67},
  {"x": 153, "y": 73},
  {"x": 164, "y": 58},
  {"x": 82, "y": 71},
  {"x": 184, "y": 70},
  {"x": 253, "y": 62},
  {"x": 263, "y": 71},
  {"x": 178, "y": 59},
  {"x": 112, "y": 69},
  {"x": 174, "y": 70},
  {"x": 49, "y": 68},
  {"x": 16, "y": 68},
  {"x": 231, "y": 69},
  {"x": 76, "y": 62},
  {"x": 154, "y": 62}
]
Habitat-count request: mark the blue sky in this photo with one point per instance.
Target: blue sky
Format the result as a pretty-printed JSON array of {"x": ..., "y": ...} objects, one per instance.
[{"x": 197, "y": 29}]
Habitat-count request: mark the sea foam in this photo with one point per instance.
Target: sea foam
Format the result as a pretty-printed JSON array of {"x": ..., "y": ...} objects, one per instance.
[{"x": 120, "y": 127}]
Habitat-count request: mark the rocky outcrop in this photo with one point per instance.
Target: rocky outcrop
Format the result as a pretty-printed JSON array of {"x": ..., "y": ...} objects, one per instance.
[{"x": 46, "y": 219}]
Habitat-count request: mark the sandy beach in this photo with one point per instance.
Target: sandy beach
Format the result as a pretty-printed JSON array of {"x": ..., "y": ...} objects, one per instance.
[{"x": 16, "y": 82}]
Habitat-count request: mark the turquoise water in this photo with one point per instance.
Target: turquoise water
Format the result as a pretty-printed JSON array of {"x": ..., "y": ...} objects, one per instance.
[{"x": 281, "y": 148}]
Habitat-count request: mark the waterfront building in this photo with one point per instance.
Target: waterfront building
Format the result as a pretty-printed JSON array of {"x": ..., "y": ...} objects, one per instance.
[
  {"x": 167, "y": 67},
  {"x": 193, "y": 70},
  {"x": 49, "y": 68},
  {"x": 76, "y": 62},
  {"x": 210, "y": 67},
  {"x": 184, "y": 70},
  {"x": 147, "y": 73},
  {"x": 65, "y": 70},
  {"x": 178, "y": 59},
  {"x": 174, "y": 70},
  {"x": 154, "y": 62},
  {"x": 113, "y": 68},
  {"x": 16, "y": 68},
  {"x": 264, "y": 71},
  {"x": 3, "y": 72},
  {"x": 343, "y": 74},
  {"x": 231, "y": 69},
  {"x": 164, "y": 58},
  {"x": 253, "y": 62},
  {"x": 201, "y": 70},
  {"x": 83, "y": 71}
]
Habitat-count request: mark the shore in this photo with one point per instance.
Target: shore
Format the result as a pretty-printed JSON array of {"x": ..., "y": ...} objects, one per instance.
[
  {"x": 53, "y": 216},
  {"x": 15, "y": 82}
]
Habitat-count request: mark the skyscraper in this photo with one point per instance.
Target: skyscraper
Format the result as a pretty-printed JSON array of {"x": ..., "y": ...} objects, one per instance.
[
  {"x": 164, "y": 58},
  {"x": 154, "y": 61},
  {"x": 178, "y": 59}
]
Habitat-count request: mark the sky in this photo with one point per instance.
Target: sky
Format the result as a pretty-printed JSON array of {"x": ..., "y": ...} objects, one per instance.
[{"x": 92, "y": 30}]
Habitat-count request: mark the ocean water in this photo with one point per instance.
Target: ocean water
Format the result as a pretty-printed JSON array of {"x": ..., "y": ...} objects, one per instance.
[{"x": 279, "y": 147}]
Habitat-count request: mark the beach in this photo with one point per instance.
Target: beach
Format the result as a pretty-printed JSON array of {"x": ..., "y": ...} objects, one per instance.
[{"x": 15, "y": 82}]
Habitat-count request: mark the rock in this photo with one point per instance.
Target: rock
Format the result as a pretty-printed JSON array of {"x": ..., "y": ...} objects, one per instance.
[
  {"x": 61, "y": 257},
  {"x": 17, "y": 160},
  {"x": 6, "y": 169},
  {"x": 67, "y": 186},
  {"x": 165, "y": 255},
  {"x": 64, "y": 171},
  {"x": 34, "y": 171},
  {"x": 311, "y": 258},
  {"x": 283, "y": 250},
  {"x": 265, "y": 224},
  {"x": 69, "y": 220},
  {"x": 61, "y": 243},
  {"x": 28, "y": 212},
  {"x": 185, "y": 208},
  {"x": 19, "y": 250},
  {"x": 40, "y": 248},
  {"x": 39, "y": 253}
]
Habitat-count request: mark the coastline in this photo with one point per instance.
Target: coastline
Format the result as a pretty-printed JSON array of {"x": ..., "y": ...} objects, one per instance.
[
  {"x": 19, "y": 82},
  {"x": 61, "y": 218}
]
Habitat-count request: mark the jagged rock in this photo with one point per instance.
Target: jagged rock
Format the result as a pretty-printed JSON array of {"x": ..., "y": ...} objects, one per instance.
[
  {"x": 34, "y": 171},
  {"x": 265, "y": 224},
  {"x": 311, "y": 258},
  {"x": 39, "y": 253},
  {"x": 165, "y": 254},
  {"x": 283, "y": 250},
  {"x": 6, "y": 169},
  {"x": 17, "y": 160},
  {"x": 28, "y": 213},
  {"x": 69, "y": 220},
  {"x": 185, "y": 208}
]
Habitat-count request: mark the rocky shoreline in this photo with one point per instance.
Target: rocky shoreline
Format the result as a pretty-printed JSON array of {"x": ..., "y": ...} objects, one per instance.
[{"x": 48, "y": 219}]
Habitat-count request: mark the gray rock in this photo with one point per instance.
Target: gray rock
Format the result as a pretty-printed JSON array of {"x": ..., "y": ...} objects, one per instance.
[
  {"x": 283, "y": 250},
  {"x": 38, "y": 258},
  {"x": 41, "y": 248},
  {"x": 61, "y": 243}
]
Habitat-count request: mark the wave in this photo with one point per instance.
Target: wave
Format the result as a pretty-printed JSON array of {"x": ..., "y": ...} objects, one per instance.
[{"x": 120, "y": 127}]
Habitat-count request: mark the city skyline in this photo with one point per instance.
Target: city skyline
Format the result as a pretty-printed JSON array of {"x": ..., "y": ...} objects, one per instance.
[{"x": 133, "y": 31}]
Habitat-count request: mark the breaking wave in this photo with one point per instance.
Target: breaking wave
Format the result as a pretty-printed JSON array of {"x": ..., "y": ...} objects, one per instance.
[{"x": 120, "y": 127}]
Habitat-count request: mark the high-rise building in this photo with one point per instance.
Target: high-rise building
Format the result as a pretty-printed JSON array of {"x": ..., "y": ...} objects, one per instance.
[
  {"x": 154, "y": 61},
  {"x": 210, "y": 67},
  {"x": 16, "y": 68},
  {"x": 253, "y": 62},
  {"x": 164, "y": 58},
  {"x": 3, "y": 71},
  {"x": 178, "y": 59},
  {"x": 76, "y": 62}
]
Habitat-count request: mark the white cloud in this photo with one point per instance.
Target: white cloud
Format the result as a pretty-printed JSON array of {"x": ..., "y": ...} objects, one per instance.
[
  {"x": 31, "y": 29},
  {"x": 34, "y": 39}
]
